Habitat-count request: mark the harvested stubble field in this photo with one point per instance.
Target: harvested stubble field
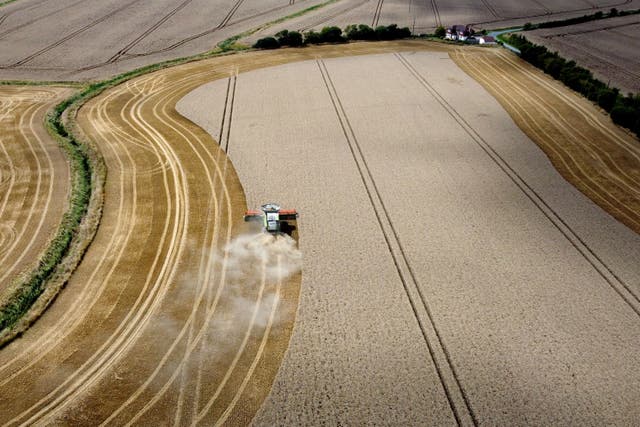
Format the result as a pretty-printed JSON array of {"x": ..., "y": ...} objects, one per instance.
[
  {"x": 34, "y": 180},
  {"x": 440, "y": 281},
  {"x": 451, "y": 274},
  {"x": 608, "y": 47},
  {"x": 425, "y": 16},
  {"x": 156, "y": 325},
  {"x": 92, "y": 39},
  {"x": 79, "y": 39}
]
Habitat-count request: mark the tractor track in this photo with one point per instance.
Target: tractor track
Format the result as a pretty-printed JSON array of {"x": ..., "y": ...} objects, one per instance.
[
  {"x": 628, "y": 182},
  {"x": 549, "y": 13},
  {"x": 377, "y": 13},
  {"x": 542, "y": 6},
  {"x": 129, "y": 330},
  {"x": 128, "y": 135},
  {"x": 600, "y": 59},
  {"x": 456, "y": 395},
  {"x": 491, "y": 9},
  {"x": 596, "y": 122},
  {"x": 137, "y": 119},
  {"x": 70, "y": 36},
  {"x": 230, "y": 14},
  {"x": 436, "y": 12},
  {"x": 148, "y": 31},
  {"x": 203, "y": 272},
  {"x": 181, "y": 42},
  {"x": 615, "y": 282},
  {"x": 231, "y": 96},
  {"x": 33, "y": 21},
  {"x": 594, "y": 30},
  {"x": 332, "y": 16},
  {"x": 31, "y": 199}
]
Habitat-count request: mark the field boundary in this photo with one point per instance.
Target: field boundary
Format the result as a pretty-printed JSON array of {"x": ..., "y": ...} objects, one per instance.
[{"x": 35, "y": 290}]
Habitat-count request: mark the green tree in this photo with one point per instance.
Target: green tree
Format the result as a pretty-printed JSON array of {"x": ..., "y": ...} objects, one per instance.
[
  {"x": 289, "y": 38},
  {"x": 331, "y": 35},
  {"x": 312, "y": 37},
  {"x": 267, "y": 43}
]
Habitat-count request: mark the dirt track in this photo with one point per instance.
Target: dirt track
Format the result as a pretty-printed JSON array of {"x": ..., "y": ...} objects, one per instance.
[
  {"x": 34, "y": 179},
  {"x": 136, "y": 334}
]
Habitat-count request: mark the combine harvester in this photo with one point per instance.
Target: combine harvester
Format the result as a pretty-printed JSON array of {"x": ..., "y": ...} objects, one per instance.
[{"x": 274, "y": 219}]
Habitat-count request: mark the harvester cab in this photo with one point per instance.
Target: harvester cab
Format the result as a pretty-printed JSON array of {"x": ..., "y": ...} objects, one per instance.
[{"x": 274, "y": 219}]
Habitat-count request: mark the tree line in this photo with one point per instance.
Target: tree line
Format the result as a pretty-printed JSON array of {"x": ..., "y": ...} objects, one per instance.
[
  {"x": 624, "y": 109},
  {"x": 580, "y": 19},
  {"x": 286, "y": 38}
]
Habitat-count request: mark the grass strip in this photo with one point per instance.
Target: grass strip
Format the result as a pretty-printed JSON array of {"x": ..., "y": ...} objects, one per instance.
[
  {"x": 34, "y": 291},
  {"x": 6, "y": 2},
  {"x": 33, "y": 286}
]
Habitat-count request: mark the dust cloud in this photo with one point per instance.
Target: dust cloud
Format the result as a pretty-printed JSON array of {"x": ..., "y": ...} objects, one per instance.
[
  {"x": 253, "y": 265},
  {"x": 252, "y": 258}
]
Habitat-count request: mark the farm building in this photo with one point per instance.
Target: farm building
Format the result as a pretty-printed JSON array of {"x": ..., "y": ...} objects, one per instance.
[
  {"x": 459, "y": 32},
  {"x": 486, "y": 40}
]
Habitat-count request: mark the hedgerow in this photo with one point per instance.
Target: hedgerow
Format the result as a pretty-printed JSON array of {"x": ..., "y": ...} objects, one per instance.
[
  {"x": 333, "y": 35},
  {"x": 624, "y": 110},
  {"x": 27, "y": 292}
]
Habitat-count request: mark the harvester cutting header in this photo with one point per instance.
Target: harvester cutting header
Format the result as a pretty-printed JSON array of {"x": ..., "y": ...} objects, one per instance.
[{"x": 274, "y": 219}]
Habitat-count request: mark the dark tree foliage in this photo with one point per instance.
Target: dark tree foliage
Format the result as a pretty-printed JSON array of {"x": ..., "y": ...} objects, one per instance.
[
  {"x": 289, "y": 38},
  {"x": 360, "y": 32},
  {"x": 267, "y": 43},
  {"x": 624, "y": 110},
  {"x": 441, "y": 32},
  {"x": 312, "y": 37},
  {"x": 331, "y": 35}
]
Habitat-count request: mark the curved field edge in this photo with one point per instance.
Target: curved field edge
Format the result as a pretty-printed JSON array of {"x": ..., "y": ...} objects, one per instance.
[
  {"x": 620, "y": 161},
  {"x": 34, "y": 291}
]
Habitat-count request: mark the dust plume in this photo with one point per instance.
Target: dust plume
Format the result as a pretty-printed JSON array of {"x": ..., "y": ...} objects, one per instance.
[{"x": 252, "y": 258}]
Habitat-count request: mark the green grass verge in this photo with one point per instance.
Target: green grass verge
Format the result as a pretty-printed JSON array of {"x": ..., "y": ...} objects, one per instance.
[
  {"x": 83, "y": 163},
  {"x": 6, "y": 2},
  {"x": 32, "y": 288}
]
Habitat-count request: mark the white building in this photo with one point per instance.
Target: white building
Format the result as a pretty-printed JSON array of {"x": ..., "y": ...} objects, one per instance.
[{"x": 486, "y": 40}]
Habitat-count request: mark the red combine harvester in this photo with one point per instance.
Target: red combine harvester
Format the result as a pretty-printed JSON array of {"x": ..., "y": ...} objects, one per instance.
[{"x": 274, "y": 219}]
